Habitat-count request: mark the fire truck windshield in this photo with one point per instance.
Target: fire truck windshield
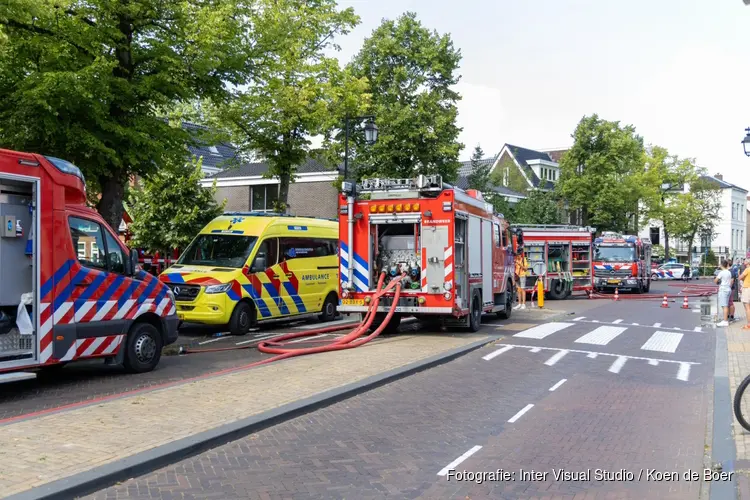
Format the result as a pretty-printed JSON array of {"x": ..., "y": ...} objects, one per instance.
[
  {"x": 614, "y": 254},
  {"x": 220, "y": 250}
]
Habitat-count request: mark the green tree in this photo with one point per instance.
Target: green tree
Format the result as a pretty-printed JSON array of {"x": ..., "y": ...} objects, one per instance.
[
  {"x": 602, "y": 174},
  {"x": 171, "y": 207},
  {"x": 696, "y": 212},
  {"x": 411, "y": 71},
  {"x": 297, "y": 94},
  {"x": 83, "y": 79},
  {"x": 540, "y": 207}
]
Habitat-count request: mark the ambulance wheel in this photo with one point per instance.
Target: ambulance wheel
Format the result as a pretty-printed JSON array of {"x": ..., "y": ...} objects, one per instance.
[
  {"x": 242, "y": 320},
  {"x": 143, "y": 348},
  {"x": 475, "y": 316},
  {"x": 328, "y": 313}
]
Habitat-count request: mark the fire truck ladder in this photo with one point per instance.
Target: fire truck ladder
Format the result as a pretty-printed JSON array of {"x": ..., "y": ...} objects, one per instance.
[
  {"x": 419, "y": 184},
  {"x": 554, "y": 227}
]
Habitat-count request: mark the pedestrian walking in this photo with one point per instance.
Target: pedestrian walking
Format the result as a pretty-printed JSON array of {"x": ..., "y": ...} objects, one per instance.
[
  {"x": 745, "y": 297},
  {"x": 521, "y": 270},
  {"x": 686, "y": 273},
  {"x": 724, "y": 280}
]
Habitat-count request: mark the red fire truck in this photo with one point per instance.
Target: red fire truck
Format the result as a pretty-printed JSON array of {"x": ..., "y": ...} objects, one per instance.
[
  {"x": 69, "y": 288},
  {"x": 455, "y": 251},
  {"x": 622, "y": 261},
  {"x": 563, "y": 256}
]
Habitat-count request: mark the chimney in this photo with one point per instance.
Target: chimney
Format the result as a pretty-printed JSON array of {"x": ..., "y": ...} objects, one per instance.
[{"x": 719, "y": 176}]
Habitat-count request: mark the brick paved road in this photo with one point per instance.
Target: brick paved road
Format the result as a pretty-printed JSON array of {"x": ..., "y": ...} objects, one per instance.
[{"x": 393, "y": 441}]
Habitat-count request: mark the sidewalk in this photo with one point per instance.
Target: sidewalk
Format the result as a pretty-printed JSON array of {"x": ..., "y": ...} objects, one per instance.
[
  {"x": 738, "y": 351},
  {"x": 40, "y": 450}
]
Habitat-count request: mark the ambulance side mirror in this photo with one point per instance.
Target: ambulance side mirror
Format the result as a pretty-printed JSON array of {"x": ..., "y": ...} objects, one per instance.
[{"x": 259, "y": 264}]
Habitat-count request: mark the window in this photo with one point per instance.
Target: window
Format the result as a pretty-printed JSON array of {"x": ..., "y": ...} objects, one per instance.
[
  {"x": 654, "y": 234},
  {"x": 496, "y": 234},
  {"x": 115, "y": 256},
  {"x": 734, "y": 211},
  {"x": 300, "y": 248},
  {"x": 269, "y": 249},
  {"x": 220, "y": 250},
  {"x": 88, "y": 233},
  {"x": 262, "y": 198}
]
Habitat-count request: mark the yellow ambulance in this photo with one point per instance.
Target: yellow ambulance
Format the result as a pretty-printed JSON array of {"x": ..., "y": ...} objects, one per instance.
[{"x": 248, "y": 267}]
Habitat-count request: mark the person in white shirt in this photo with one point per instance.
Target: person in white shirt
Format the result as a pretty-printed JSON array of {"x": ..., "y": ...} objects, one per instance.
[{"x": 724, "y": 279}]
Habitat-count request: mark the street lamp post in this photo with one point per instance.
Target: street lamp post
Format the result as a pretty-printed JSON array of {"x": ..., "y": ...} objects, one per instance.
[
  {"x": 746, "y": 142},
  {"x": 664, "y": 188},
  {"x": 371, "y": 135}
]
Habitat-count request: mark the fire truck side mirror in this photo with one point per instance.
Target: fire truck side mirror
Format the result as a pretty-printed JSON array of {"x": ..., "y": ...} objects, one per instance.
[{"x": 131, "y": 264}]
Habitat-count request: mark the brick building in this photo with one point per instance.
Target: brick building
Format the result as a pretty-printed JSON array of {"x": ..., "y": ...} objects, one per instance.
[{"x": 312, "y": 193}]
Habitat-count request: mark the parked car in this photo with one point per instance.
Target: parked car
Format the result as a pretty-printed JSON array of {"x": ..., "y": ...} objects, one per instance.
[{"x": 672, "y": 270}]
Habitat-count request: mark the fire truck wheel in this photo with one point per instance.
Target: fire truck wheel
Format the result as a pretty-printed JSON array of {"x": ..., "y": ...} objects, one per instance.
[
  {"x": 475, "y": 316},
  {"x": 243, "y": 318},
  {"x": 328, "y": 313},
  {"x": 143, "y": 348},
  {"x": 557, "y": 290},
  {"x": 390, "y": 328},
  {"x": 508, "y": 305}
]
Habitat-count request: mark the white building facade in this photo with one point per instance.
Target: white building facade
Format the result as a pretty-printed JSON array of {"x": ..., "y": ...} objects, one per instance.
[{"x": 730, "y": 238}]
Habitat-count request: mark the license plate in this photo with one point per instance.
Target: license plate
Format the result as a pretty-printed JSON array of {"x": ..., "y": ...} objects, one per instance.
[
  {"x": 353, "y": 302},
  {"x": 614, "y": 282}
]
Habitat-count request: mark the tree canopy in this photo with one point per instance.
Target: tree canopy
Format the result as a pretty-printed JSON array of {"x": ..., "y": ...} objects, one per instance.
[
  {"x": 83, "y": 79},
  {"x": 171, "y": 207},
  {"x": 540, "y": 207},
  {"x": 602, "y": 174},
  {"x": 411, "y": 71}
]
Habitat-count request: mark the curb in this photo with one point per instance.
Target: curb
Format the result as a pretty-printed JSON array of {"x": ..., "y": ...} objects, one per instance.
[{"x": 104, "y": 476}]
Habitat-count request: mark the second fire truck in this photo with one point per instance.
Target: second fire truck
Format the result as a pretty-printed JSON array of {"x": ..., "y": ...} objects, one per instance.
[
  {"x": 623, "y": 262},
  {"x": 455, "y": 251}
]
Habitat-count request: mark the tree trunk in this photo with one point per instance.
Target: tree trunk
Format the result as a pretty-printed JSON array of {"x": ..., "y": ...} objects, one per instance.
[
  {"x": 284, "y": 180},
  {"x": 110, "y": 205},
  {"x": 666, "y": 243}
]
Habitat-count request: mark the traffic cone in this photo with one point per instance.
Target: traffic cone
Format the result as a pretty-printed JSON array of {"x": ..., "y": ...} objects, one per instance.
[
  {"x": 617, "y": 294},
  {"x": 664, "y": 302},
  {"x": 685, "y": 304}
]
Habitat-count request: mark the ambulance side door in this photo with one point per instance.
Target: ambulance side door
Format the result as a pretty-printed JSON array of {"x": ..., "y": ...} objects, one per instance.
[
  {"x": 262, "y": 269},
  {"x": 299, "y": 261}
]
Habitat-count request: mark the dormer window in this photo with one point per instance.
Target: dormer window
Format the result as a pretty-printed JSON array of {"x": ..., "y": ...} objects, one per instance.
[{"x": 214, "y": 151}]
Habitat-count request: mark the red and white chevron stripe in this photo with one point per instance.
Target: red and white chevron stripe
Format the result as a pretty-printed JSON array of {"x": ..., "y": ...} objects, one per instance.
[
  {"x": 423, "y": 269},
  {"x": 97, "y": 346},
  {"x": 448, "y": 263}
]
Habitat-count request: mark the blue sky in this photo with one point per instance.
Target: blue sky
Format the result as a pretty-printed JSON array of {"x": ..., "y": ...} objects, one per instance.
[{"x": 678, "y": 70}]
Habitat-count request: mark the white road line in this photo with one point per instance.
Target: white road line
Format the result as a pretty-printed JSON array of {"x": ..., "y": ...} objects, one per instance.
[
  {"x": 557, "y": 385},
  {"x": 520, "y": 413},
  {"x": 305, "y": 339},
  {"x": 580, "y": 318},
  {"x": 603, "y": 354},
  {"x": 663, "y": 341},
  {"x": 556, "y": 357},
  {"x": 601, "y": 336},
  {"x": 657, "y": 325},
  {"x": 618, "y": 364},
  {"x": 617, "y": 322},
  {"x": 595, "y": 321},
  {"x": 258, "y": 338},
  {"x": 684, "y": 372},
  {"x": 210, "y": 340},
  {"x": 591, "y": 355},
  {"x": 697, "y": 329},
  {"x": 635, "y": 324},
  {"x": 653, "y": 362},
  {"x": 457, "y": 461},
  {"x": 536, "y": 349},
  {"x": 541, "y": 331},
  {"x": 497, "y": 353}
]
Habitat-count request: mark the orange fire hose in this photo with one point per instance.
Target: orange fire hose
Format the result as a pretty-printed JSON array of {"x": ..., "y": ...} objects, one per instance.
[{"x": 348, "y": 341}]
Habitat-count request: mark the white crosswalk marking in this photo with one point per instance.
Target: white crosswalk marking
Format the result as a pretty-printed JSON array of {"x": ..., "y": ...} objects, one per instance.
[
  {"x": 617, "y": 322},
  {"x": 653, "y": 362},
  {"x": 591, "y": 355},
  {"x": 542, "y": 331},
  {"x": 497, "y": 353},
  {"x": 580, "y": 318},
  {"x": 697, "y": 329},
  {"x": 684, "y": 372},
  {"x": 657, "y": 325},
  {"x": 601, "y": 336},
  {"x": 663, "y": 341}
]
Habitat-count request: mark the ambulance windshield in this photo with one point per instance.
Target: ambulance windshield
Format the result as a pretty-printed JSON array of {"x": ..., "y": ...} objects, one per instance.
[
  {"x": 220, "y": 250},
  {"x": 615, "y": 254}
]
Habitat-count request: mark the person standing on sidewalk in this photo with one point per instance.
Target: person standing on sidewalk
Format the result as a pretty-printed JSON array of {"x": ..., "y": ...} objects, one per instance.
[
  {"x": 734, "y": 268},
  {"x": 745, "y": 298},
  {"x": 724, "y": 279},
  {"x": 520, "y": 271}
]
